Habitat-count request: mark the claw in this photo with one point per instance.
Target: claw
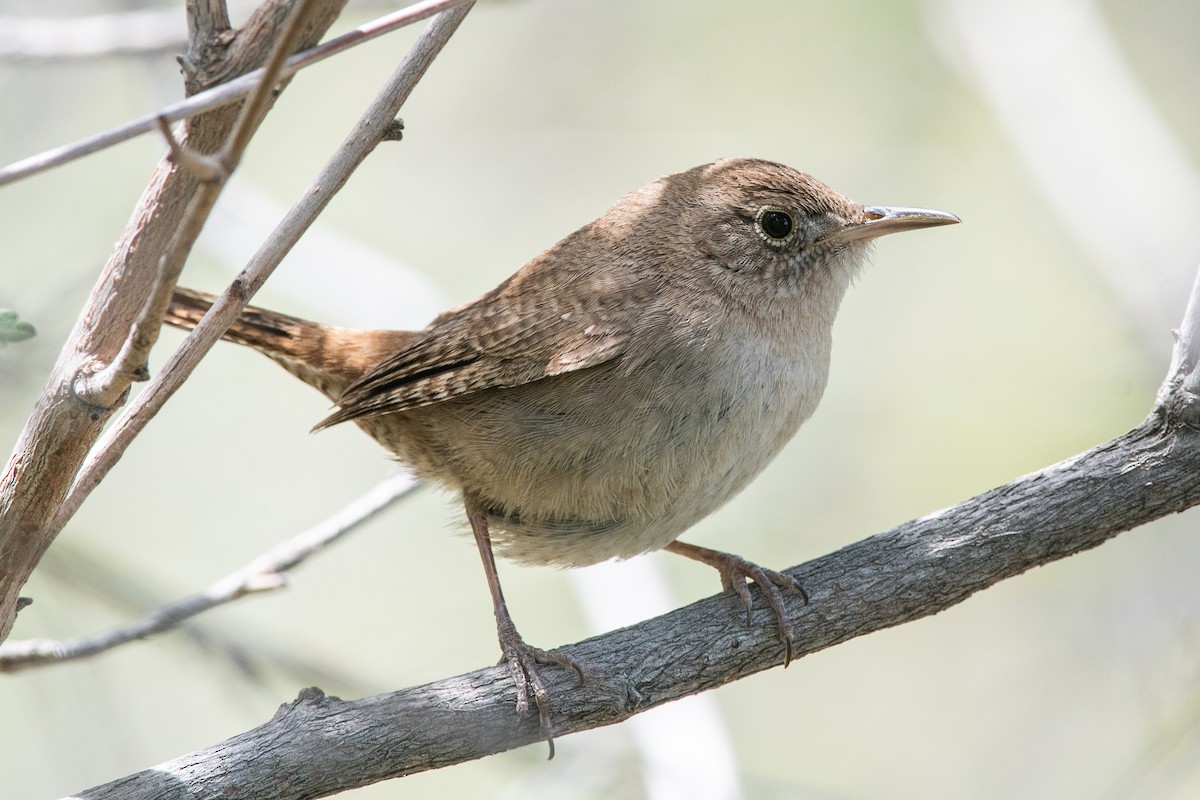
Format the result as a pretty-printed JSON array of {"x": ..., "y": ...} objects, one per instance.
[
  {"x": 522, "y": 658},
  {"x": 735, "y": 571}
]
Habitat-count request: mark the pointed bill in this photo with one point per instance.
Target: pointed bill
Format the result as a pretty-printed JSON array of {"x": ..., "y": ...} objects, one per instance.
[{"x": 882, "y": 220}]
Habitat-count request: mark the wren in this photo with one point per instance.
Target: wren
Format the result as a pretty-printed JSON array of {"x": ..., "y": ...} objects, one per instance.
[{"x": 619, "y": 387}]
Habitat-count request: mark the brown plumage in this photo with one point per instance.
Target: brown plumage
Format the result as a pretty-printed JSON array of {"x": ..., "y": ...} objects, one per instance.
[{"x": 623, "y": 384}]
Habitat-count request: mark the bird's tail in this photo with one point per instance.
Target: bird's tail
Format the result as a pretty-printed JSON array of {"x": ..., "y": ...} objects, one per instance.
[
  {"x": 275, "y": 335},
  {"x": 325, "y": 357}
]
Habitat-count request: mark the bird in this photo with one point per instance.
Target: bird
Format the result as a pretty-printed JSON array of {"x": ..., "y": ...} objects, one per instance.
[{"x": 619, "y": 387}]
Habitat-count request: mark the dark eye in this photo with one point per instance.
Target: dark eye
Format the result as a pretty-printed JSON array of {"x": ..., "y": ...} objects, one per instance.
[{"x": 776, "y": 226}]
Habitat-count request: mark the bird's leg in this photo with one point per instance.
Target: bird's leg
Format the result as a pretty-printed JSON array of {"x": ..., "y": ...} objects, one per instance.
[
  {"x": 522, "y": 658},
  {"x": 735, "y": 571}
]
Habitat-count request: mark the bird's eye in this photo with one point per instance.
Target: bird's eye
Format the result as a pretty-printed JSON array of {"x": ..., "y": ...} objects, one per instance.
[{"x": 774, "y": 226}]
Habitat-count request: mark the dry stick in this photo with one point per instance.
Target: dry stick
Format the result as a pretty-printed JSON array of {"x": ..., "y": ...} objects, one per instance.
[
  {"x": 357, "y": 146},
  {"x": 93, "y": 578},
  {"x": 1185, "y": 359},
  {"x": 62, "y": 428},
  {"x": 206, "y": 19},
  {"x": 264, "y": 573},
  {"x": 222, "y": 95},
  {"x": 104, "y": 387},
  {"x": 321, "y": 745},
  {"x": 205, "y": 167}
]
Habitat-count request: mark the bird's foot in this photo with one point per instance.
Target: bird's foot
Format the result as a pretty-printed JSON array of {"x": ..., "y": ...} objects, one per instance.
[
  {"x": 522, "y": 659},
  {"x": 735, "y": 571},
  {"x": 523, "y": 664}
]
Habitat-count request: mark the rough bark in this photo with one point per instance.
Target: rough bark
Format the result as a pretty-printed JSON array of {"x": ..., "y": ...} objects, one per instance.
[{"x": 321, "y": 745}]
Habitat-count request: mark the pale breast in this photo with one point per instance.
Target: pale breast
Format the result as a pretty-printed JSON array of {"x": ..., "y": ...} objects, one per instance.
[{"x": 615, "y": 461}]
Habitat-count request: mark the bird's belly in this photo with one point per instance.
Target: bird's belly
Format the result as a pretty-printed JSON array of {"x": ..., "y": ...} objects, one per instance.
[{"x": 608, "y": 466}]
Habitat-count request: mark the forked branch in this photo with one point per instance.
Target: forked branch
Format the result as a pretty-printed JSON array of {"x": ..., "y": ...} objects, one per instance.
[{"x": 108, "y": 336}]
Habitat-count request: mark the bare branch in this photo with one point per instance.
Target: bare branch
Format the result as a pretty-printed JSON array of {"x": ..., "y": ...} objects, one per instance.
[
  {"x": 367, "y": 133},
  {"x": 59, "y": 434},
  {"x": 325, "y": 745},
  {"x": 221, "y": 95},
  {"x": 206, "y": 20},
  {"x": 1186, "y": 359},
  {"x": 265, "y": 92},
  {"x": 104, "y": 387},
  {"x": 206, "y": 168},
  {"x": 94, "y": 578},
  {"x": 264, "y": 573}
]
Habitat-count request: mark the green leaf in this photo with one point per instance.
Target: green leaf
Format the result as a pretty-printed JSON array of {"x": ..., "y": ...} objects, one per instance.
[{"x": 13, "y": 328}]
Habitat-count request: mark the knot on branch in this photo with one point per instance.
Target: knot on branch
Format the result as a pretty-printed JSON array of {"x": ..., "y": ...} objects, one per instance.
[
  {"x": 100, "y": 391},
  {"x": 1178, "y": 400},
  {"x": 309, "y": 699},
  {"x": 1182, "y": 406},
  {"x": 395, "y": 131},
  {"x": 202, "y": 63}
]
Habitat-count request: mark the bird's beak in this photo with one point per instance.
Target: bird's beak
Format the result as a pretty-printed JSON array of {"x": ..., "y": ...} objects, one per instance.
[{"x": 882, "y": 220}]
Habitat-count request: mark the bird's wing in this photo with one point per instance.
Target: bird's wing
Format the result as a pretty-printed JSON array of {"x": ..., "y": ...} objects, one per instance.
[{"x": 504, "y": 339}]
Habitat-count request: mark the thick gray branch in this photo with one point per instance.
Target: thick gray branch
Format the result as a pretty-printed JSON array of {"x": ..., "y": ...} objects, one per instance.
[{"x": 318, "y": 746}]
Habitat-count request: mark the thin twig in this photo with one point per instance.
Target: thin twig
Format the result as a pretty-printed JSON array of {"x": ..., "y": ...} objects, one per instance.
[
  {"x": 221, "y": 95},
  {"x": 94, "y": 578},
  {"x": 264, "y": 573},
  {"x": 104, "y": 387},
  {"x": 1187, "y": 350},
  {"x": 204, "y": 167},
  {"x": 62, "y": 430},
  {"x": 265, "y": 91},
  {"x": 354, "y": 149}
]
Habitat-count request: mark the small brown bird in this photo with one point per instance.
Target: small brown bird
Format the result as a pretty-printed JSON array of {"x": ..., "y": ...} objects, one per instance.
[{"x": 619, "y": 387}]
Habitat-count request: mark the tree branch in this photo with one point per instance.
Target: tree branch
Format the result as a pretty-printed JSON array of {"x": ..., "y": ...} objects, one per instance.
[
  {"x": 318, "y": 745},
  {"x": 1185, "y": 359},
  {"x": 361, "y": 141},
  {"x": 207, "y": 22},
  {"x": 105, "y": 386},
  {"x": 59, "y": 434},
  {"x": 215, "y": 97},
  {"x": 263, "y": 574}
]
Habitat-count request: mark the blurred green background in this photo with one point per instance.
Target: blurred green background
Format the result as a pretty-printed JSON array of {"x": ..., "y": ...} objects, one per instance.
[{"x": 1063, "y": 133}]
